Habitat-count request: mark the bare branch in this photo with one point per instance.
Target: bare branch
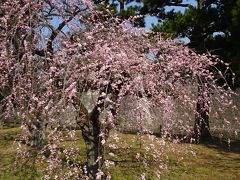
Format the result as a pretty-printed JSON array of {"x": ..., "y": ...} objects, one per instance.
[
  {"x": 58, "y": 29},
  {"x": 176, "y": 4}
]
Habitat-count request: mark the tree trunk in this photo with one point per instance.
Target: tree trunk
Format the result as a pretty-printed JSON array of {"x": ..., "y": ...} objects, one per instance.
[
  {"x": 2, "y": 107},
  {"x": 37, "y": 138},
  {"x": 121, "y": 5},
  {"x": 202, "y": 128},
  {"x": 91, "y": 130}
]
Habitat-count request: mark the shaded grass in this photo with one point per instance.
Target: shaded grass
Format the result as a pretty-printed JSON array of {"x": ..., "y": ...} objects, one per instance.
[{"x": 212, "y": 161}]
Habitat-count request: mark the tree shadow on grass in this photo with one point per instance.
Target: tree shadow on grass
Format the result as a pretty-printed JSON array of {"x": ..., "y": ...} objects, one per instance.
[
  {"x": 223, "y": 145},
  {"x": 220, "y": 144}
]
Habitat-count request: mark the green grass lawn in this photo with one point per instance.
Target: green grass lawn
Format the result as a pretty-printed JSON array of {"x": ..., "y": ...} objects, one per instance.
[{"x": 211, "y": 161}]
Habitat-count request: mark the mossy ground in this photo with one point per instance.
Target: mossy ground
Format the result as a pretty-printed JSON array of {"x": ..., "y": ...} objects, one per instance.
[{"x": 212, "y": 161}]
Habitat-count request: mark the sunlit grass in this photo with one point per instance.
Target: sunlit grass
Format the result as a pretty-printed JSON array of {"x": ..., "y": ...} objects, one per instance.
[{"x": 210, "y": 161}]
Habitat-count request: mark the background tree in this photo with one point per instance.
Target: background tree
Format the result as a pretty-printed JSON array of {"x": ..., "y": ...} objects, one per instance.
[{"x": 210, "y": 26}]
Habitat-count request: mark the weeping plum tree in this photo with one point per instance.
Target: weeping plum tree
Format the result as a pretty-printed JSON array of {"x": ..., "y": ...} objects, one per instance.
[
  {"x": 29, "y": 32},
  {"x": 66, "y": 49}
]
